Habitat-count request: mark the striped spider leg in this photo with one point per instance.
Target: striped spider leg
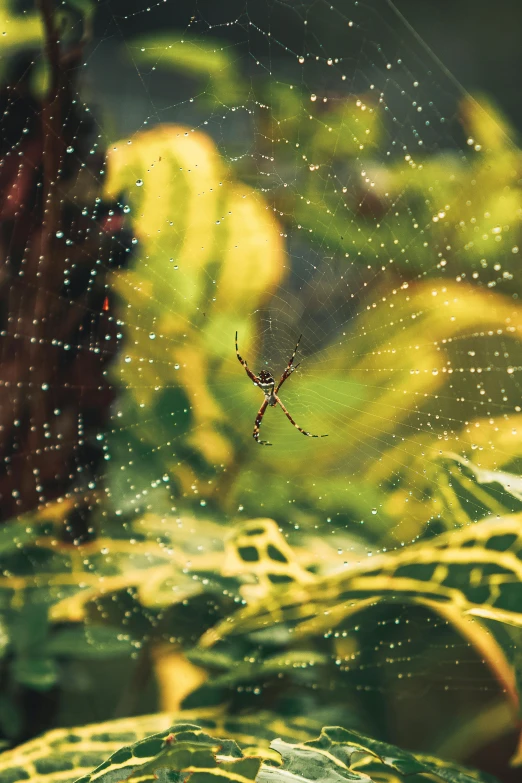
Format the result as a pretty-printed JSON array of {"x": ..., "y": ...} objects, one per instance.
[
  {"x": 290, "y": 367},
  {"x": 266, "y": 383}
]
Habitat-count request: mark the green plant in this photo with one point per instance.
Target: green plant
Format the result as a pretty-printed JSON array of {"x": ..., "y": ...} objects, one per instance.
[{"x": 238, "y": 591}]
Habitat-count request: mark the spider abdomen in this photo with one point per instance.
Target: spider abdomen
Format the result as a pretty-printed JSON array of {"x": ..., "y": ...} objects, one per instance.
[
  {"x": 267, "y": 387},
  {"x": 267, "y": 384}
]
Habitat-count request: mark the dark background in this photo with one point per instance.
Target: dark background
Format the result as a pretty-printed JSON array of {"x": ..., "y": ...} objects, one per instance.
[{"x": 478, "y": 41}]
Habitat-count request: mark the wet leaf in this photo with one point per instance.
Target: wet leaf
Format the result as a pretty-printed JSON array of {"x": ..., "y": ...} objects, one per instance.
[{"x": 476, "y": 572}]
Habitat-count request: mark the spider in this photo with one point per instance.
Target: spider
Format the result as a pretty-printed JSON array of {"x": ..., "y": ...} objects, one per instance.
[{"x": 267, "y": 385}]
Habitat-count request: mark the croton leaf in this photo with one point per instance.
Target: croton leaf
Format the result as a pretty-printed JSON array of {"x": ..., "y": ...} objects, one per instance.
[
  {"x": 184, "y": 749},
  {"x": 66, "y": 754},
  {"x": 186, "y": 752},
  {"x": 476, "y": 571},
  {"x": 510, "y": 482},
  {"x": 341, "y": 754}
]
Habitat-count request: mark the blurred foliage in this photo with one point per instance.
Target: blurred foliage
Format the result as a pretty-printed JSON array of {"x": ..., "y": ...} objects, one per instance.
[
  {"x": 258, "y": 622},
  {"x": 20, "y": 30},
  {"x": 226, "y": 256},
  {"x": 411, "y": 362},
  {"x": 454, "y": 211}
]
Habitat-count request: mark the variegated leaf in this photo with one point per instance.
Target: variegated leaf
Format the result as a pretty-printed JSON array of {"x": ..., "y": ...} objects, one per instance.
[
  {"x": 185, "y": 751},
  {"x": 340, "y": 754},
  {"x": 476, "y": 571}
]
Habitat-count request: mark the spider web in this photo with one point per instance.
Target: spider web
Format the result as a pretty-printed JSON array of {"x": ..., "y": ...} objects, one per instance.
[{"x": 369, "y": 170}]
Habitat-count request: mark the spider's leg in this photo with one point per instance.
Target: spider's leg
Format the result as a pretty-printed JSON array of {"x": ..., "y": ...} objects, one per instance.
[
  {"x": 249, "y": 372},
  {"x": 287, "y": 373},
  {"x": 289, "y": 368},
  {"x": 259, "y": 417},
  {"x": 309, "y": 434},
  {"x": 291, "y": 360}
]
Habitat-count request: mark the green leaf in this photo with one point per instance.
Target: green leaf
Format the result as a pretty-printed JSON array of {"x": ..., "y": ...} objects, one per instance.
[
  {"x": 184, "y": 749},
  {"x": 185, "y": 752},
  {"x": 91, "y": 641},
  {"x": 476, "y": 571},
  {"x": 39, "y": 673},
  {"x": 510, "y": 482},
  {"x": 341, "y": 754},
  {"x": 11, "y": 718},
  {"x": 302, "y": 762},
  {"x": 15, "y": 535},
  {"x": 30, "y": 627},
  {"x": 66, "y": 754},
  {"x": 214, "y": 60}
]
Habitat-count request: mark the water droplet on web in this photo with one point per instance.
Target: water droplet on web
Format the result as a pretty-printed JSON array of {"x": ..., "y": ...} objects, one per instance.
[
  {"x": 152, "y": 336},
  {"x": 374, "y": 510},
  {"x": 139, "y": 183},
  {"x": 301, "y": 59},
  {"x": 59, "y": 234},
  {"x": 126, "y": 209},
  {"x": 70, "y": 149}
]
